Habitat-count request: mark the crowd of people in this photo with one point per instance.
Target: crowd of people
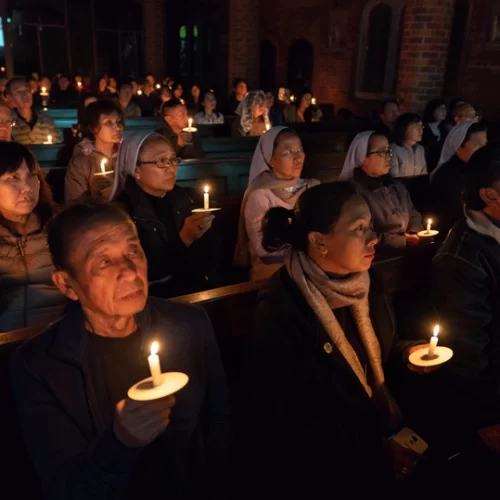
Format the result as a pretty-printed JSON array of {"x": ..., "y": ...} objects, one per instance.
[{"x": 326, "y": 379}]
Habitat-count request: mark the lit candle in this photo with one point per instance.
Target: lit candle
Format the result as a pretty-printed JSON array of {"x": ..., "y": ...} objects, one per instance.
[
  {"x": 313, "y": 101},
  {"x": 49, "y": 140},
  {"x": 103, "y": 167},
  {"x": 292, "y": 98},
  {"x": 429, "y": 224},
  {"x": 206, "y": 199},
  {"x": 190, "y": 121},
  {"x": 154, "y": 365},
  {"x": 268, "y": 126},
  {"x": 79, "y": 85},
  {"x": 433, "y": 343},
  {"x": 2, "y": 69},
  {"x": 158, "y": 86},
  {"x": 139, "y": 92},
  {"x": 44, "y": 92}
]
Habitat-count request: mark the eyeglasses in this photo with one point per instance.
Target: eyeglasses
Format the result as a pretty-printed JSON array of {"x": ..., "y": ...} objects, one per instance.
[
  {"x": 9, "y": 123},
  {"x": 293, "y": 154},
  {"x": 384, "y": 153},
  {"x": 172, "y": 163}
]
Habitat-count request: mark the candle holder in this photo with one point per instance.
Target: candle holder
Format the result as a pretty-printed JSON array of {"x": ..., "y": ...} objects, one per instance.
[
  {"x": 428, "y": 234},
  {"x": 199, "y": 210},
  {"x": 421, "y": 357},
  {"x": 145, "y": 390}
]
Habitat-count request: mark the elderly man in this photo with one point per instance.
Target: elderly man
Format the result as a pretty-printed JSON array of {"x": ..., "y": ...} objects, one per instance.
[
  {"x": 30, "y": 127},
  {"x": 186, "y": 144},
  {"x": 64, "y": 95},
  {"x": 87, "y": 439}
]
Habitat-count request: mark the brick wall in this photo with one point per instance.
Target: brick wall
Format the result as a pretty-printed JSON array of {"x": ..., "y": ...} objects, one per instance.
[
  {"x": 155, "y": 37},
  {"x": 244, "y": 41},
  {"x": 480, "y": 71},
  {"x": 424, "y": 51}
]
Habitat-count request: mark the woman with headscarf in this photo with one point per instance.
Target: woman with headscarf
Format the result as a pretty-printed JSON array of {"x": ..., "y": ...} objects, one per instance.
[
  {"x": 367, "y": 165},
  {"x": 274, "y": 181},
  {"x": 448, "y": 179},
  {"x": 177, "y": 242},
  {"x": 251, "y": 116}
]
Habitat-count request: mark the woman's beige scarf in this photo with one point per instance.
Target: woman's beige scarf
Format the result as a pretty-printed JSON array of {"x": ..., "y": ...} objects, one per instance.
[{"x": 323, "y": 295}]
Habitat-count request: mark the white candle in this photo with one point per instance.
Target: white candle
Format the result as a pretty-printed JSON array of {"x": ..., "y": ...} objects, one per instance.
[
  {"x": 79, "y": 85},
  {"x": 434, "y": 341},
  {"x": 103, "y": 167},
  {"x": 429, "y": 224},
  {"x": 268, "y": 126},
  {"x": 190, "y": 121},
  {"x": 313, "y": 101},
  {"x": 44, "y": 92},
  {"x": 158, "y": 86},
  {"x": 154, "y": 365},
  {"x": 206, "y": 199},
  {"x": 49, "y": 139},
  {"x": 139, "y": 92}
]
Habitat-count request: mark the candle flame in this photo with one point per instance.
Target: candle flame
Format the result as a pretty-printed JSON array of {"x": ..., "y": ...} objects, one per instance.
[
  {"x": 154, "y": 348},
  {"x": 436, "y": 331},
  {"x": 313, "y": 100},
  {"x": 207, "y": 189},
  {"x": 79, "y": 84},
  {"x": 190, "y": 121},
  {"x": 429, "y": 221},
  {"x": 49, "y": 138},
  {"x": 43, "y": 89},
  {"x": 103, "y": 166},
  {"x": 139, "y": 92}
]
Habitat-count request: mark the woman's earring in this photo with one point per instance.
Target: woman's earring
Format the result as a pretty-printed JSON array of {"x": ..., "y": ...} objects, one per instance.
[{"x": 324, "y": 252}]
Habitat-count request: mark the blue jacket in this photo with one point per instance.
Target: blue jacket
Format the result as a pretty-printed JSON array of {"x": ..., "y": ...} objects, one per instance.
[{"x": 67, "y": 425}]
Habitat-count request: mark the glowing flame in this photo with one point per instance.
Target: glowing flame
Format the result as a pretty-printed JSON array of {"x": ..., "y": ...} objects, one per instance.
[
  {"x": 207, "y": 189},
  {"x": 103, "y": 166},
  {"x": 436, "y": 331},
  {"x": 429, "y": 221},
  {"x": 49, "y": 138},
  {"x": 154, "y": 348},
  {"x": 79, "y": 84}
]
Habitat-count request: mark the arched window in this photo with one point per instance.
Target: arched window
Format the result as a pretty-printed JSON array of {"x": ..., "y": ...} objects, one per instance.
[
  {"x": 379, "y": 46},
  {"x": 300, "y": 66}
]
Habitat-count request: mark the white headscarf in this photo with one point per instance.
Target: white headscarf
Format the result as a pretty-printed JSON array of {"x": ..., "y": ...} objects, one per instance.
[
  {"x": 355, "y": 155},
  {"x": 127, "y": 159},
  {"x": 263, "y": 153},
  {"x": 452, "y": 142}
]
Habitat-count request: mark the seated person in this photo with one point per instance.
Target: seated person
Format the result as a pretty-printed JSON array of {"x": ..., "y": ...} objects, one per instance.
[
  {"x": 274, "y": 110},
  {"x": 165, "y": 96},
  {"x": 313, "y": 368},
  {"x": 148, "y": 101},
  {"x": 209, "y": 116},
  {"x": 5, "y": 122},
  {"x": 389, "y": 113},
  {"x": 102, "y": 128},
  {"x": 251, "y": 116},
  {"x": 240, "y": 90},
  {"x": 466, "y": 294},
  {"x": 86, "y": 438},
  {"x": 27, "y": 295},
  {"x": 178, "y": 244},
  {"x": 367, "y": 164},
  {"x": 274, "y": 181},
  {"x": 408, "y": 156},
  {"x": 464, "y": 112},
  {"x": 31, "y": 126},
  {"x": 130, "y": 108},
  {"x": 186, "y": 144},
  {"x": 448, "y": 179},
  {"x": 193, "y": 101},
  {"x": 64, "y": 95},
  {"x": 434, "y": 117},
  {"x": 304, "y": 112}
]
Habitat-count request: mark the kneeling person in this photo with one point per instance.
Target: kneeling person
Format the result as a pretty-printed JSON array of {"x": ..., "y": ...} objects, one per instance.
[{"x": 85, "y": 437}]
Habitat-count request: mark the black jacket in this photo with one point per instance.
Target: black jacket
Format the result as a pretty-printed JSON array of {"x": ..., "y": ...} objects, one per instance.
[
  {"x": 67, "y": 422},
  {"x": 313, "y": 429},
  {"x": 193, "y": 150},
  {"x": 447, "y": 184},
  {"x": 176, "y": 269},
  {"x": 466, "y": 293}
]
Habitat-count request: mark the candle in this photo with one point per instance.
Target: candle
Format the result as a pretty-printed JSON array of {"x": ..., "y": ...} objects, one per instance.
[
  {"x": 154, "y": 365},
  {"x": 268, "y": 126},
  {"x": 190, "y": 121},
  {"x": 44, "y": 92},
  {"x": 433, "y": 343},
  {"x": 103, "y": 167},
  {"x": 292, "y": 98},
  {"x": 313, "y": 101},
  {"x": 429, "y": 224},
  {"x": 158, "y": 86},
  {"x": 49, "y": 140},
  {"x": 79, "y": 85},
  {"x": 206, "y": 199},
  {"x": 139, "y": 92}
]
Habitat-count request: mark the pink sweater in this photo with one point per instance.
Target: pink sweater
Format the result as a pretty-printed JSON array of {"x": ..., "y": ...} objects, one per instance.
[{"x": 263, "y": 264}]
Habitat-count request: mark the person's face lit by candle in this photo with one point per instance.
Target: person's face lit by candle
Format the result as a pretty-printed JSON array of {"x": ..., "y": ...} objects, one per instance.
[
  {"x": 148, "y": 88},
  {"x": 258, "y": 109},
  {"x": 177, "y": 118},
  {"x": 240, "y": 90},
  {"x": 195, "y": 92},
  {"x": 103, "y": 84},
  {"x": 5, "y": 122},
  {"x": 157, "y": 165},
  {"x": 134, "y": 86},
  {"x": 378, "y": 159},
  {"x": 64, "y": 83},
  {"x": 178, "y": 91},
  {"x": 21, "y": 97},
  {"x": 269, "y": 100},
  {"x": 166, "y": 94},
  {"x": 19, "y": 192},
  {"x": 125, "y": 94},
  {"x": 112, "y": 83},
  {"x": 288, "y": 156},
  {"x": 305, "y": 102},
  {"x": 150, "y": 79},
  {"x": 106, "y": 270},
  {"x": 110, "y": 129},
  {"x": 209, "y": 103}
]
